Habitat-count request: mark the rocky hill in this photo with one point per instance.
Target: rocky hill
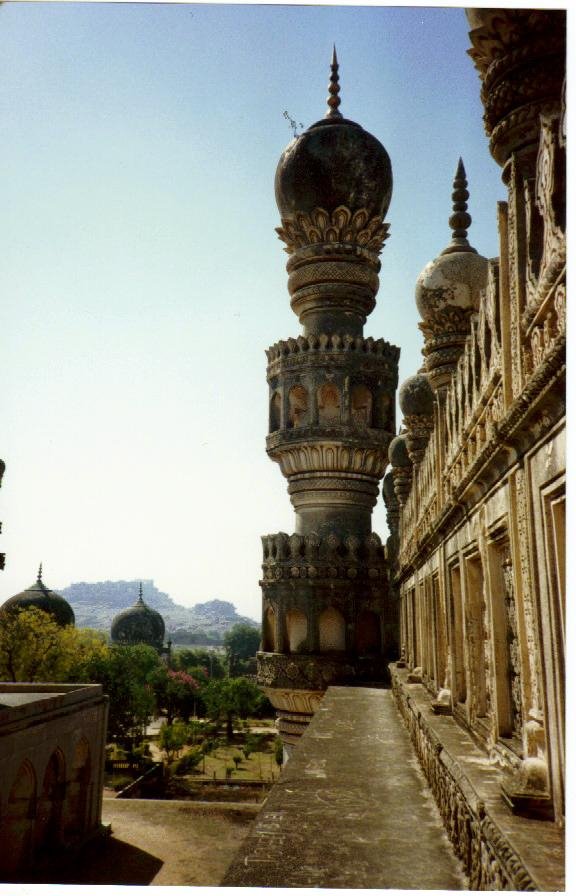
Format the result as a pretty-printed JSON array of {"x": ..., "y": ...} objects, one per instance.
[{"x": 96, "y": 603}]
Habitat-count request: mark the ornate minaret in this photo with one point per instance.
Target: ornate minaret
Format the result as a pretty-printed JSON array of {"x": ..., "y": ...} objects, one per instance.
[{"x": 326, "y": 614}]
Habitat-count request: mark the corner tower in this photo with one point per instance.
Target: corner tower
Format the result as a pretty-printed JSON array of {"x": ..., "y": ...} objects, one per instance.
[{"x": 327, "y": 616}]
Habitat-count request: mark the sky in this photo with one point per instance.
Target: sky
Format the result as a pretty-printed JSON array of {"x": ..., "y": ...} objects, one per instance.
[{"x": 141, "y": 277}]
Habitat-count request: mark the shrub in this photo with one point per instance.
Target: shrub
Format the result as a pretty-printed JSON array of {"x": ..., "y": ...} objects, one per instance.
[{"x": 188, "y": 762}]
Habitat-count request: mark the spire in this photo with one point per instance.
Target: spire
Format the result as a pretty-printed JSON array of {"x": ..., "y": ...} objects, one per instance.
[
  {"x": 459, "y": 220},
  {"x": 39, "y": 579},
  {"x": 333, "y": 99},
  {"x": 140, "y": 598}
]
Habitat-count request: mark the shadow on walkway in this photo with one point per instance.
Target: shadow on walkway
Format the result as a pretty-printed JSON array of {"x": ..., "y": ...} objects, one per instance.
[{"x": 110, "y": 861}]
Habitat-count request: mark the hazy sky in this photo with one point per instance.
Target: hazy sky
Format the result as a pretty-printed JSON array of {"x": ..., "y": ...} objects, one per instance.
[{"x": 141, "y": 278}]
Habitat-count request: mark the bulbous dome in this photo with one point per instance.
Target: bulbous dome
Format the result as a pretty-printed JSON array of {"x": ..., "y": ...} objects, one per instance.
[
  {"x": 388, "y": 492},
  {"x": 139, "y": 624},
  {"x": 42, "y": 598},
  {"x": 398, "y": 452},
  {"x": 333, "y": 163},
  {"x": 454, "y": 280},
  {"x": 416, "y": 396},
  {"x": 451, "y": 281}
]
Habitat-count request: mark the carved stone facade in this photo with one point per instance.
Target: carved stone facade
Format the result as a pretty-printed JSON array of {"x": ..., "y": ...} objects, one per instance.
[
  {"x": 327, "y": 615},
  {"x": 481, "y": 528}
]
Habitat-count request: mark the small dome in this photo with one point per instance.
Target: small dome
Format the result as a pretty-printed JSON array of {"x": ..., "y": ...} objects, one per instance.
[
  {"x": 455, "y": 279},
  {"x": 451, "y": 281},
  {"x": 398, "y": 452},
  {"x": 388, "y": 492},
  {"x": 139, "y": 624},
  {"x": 416, "y": 396},
  {"x": 333, "y": 163},
  {"x": 41, "y": 597}
]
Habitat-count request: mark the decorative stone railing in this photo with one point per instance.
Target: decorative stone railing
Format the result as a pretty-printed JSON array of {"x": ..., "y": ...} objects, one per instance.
[
  {"x": 333, "y": 343},
  {"x": 489, "y": 860},
  {"x": 316, "y": 672},
  {"x": 475, "y": 401},
  {"x": 309, "y": 556}
]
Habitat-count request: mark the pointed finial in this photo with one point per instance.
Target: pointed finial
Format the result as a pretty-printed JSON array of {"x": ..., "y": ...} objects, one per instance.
[
  {"x": 140, "y": 598},
  {"x": 333, "y": 99},
  {"x": 39, "y": 580},
  {"x": 459, "y": 220}
]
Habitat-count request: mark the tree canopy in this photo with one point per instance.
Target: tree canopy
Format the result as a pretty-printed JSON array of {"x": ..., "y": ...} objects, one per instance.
[{"x": 241, "y": 642}]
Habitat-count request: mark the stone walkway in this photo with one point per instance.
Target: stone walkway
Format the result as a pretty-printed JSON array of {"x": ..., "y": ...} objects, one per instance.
[{"x": 352, "y": 809}]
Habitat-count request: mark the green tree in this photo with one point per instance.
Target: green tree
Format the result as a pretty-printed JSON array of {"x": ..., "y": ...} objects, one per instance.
[
  {"x": 241, "y": 642},
  {"x": 176, "y": 692},
  {"x": 34, "y": 648},
  {"x": 231, "y": 698},
  {"x": 199, "y": 662},
  {"x": 172, "y": 739},
  {"x": 30, "y": 642},
  {"x": 124, "y": 672}
]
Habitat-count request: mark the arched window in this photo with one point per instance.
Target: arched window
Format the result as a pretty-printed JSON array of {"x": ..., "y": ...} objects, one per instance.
[
  {"x": 361, "y": 405},
  {"x": 297, "y": 406},
  {"x": 269, "y": 631},
  {"x": 17, "y": 824},
  {"x": 328, "y": 403},
  {"x": 368, "y": 633},
  {"x": 297, "y": 629},
  {"x": 332, "y": 630},
  {"x": 275, "y": 405}
]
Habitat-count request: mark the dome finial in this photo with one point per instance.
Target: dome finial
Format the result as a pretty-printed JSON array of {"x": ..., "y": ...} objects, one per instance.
[
  {"x": 39, "y": 580},
  {"x": 459, "y": 220},
  {"x": 333, "y": 99}
]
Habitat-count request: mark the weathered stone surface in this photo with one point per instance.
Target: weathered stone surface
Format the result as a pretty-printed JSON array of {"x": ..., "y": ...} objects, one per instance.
[
  {"x": 332, "y": 417},
  {"x": 350, "y": 810},
  {"x": 498, "y": 847}
]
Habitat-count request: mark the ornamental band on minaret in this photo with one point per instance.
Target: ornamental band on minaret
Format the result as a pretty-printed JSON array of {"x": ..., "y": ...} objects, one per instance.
[{"x": 327, "y": 615}]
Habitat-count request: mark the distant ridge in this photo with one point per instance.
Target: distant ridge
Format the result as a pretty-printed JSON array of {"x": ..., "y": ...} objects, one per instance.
[{"x": 96, "y": 603}]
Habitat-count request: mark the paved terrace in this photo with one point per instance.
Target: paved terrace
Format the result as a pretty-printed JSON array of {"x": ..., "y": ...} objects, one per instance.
[{"x": 351, "y": 810}]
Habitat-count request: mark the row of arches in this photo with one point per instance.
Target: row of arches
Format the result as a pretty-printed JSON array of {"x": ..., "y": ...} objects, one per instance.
[
  {"x": 328, "y": 405},
  {"x": 292, "y": 632},
  {"x": 45, "y": 811}
]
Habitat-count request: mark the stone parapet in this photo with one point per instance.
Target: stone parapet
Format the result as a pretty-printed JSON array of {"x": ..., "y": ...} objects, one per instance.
[
  {"x": 330, "y": 557},
  {"x": 290, "y": 352},
  {"x": 496, "y": 846},
  {"x": 316, "y": 672}
]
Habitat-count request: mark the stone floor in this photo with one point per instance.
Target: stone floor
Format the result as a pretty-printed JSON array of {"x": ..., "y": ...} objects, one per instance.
[
  {"x": 352, "y": 809},
  {"x": 161, "y": 843}
]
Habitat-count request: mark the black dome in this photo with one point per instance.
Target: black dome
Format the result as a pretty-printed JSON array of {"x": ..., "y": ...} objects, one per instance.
[
  {"x": 398, "y": 452},
  {"x": 335, "y": 162},
  {"x": 41, "y": 597},
  {"x": 139, "y": 624},
  {"x": 416, "y": 396}
]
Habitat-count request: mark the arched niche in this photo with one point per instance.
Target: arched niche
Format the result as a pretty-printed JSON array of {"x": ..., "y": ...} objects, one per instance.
[
  {"x": 331, "y": 630},
  {"x": 17, "y": 823},
  {"x": 297, "y": 406},
  {"x": 329, "y": 404},
  {"x": 78, "y": 791},
  {"x": 297, "y": 630},
  {"x": 361, "y": 405},
  {"x": 275, "y": 408},
  {"x": 368, "y": 639},
  {"x": 269, "y": 631},
  {"x": 48, "y": 830}
]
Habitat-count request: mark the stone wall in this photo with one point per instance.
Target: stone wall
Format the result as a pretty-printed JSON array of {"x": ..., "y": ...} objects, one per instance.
[{"x": 52, "y": 740}]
